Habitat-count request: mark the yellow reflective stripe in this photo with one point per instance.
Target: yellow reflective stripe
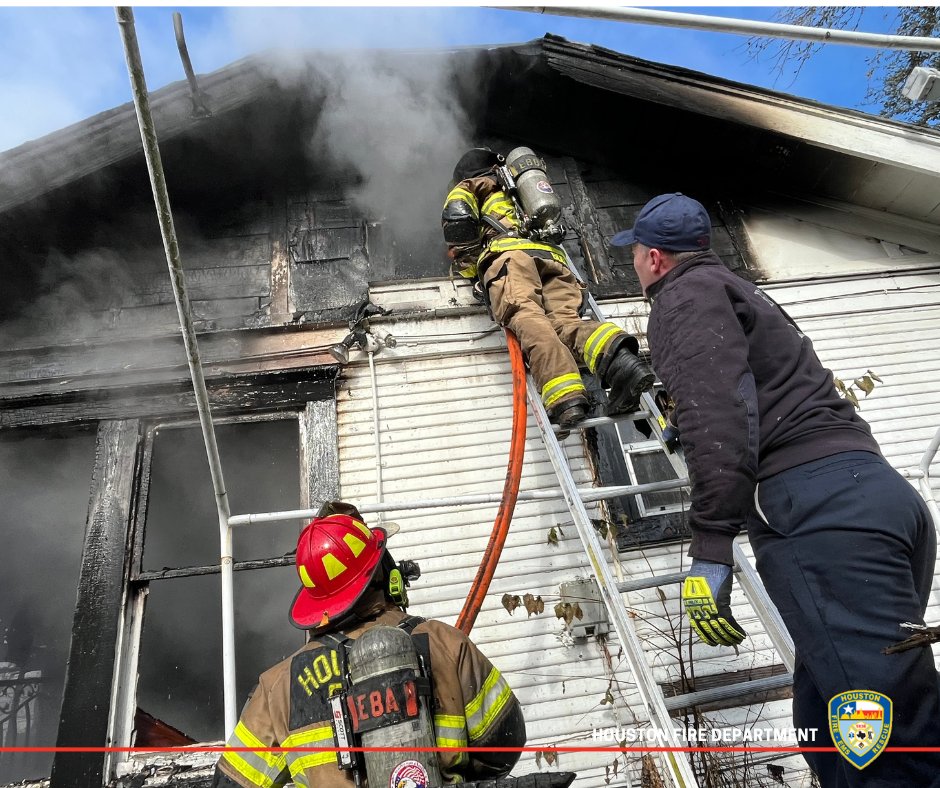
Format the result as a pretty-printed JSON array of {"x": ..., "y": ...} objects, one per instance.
[
  {"x": 261, "y": 768},
  {"x": 364, "y": 528},
  {"x": 299, "y": 780},
  {"x": 464, "y": 196},
  {"x": 561, "y": 386},
  {"x": 469, "y": 272},
  {"x": 450, "y": 730},
  {"x": 332, "y": 566},
  {"x": 239, "y": 763},
  {"x": 245, "y": 738},
  {"x": 355, "y": 545},
  {"x": 597, "y": 342},
  {"x": 499, "y": 205},
  {"x": 524, "y": 244},
  {"x": 297, "y": 763},
  {"x": 483, "y": 709},
  {"x": 322, "y": 733}
]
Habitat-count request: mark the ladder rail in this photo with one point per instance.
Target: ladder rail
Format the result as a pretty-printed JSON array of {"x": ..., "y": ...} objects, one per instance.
[{"x": 680, "y": 770}]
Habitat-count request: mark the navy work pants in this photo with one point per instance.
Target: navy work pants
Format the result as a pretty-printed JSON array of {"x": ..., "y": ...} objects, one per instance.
[{"x": 847, "y": 553}]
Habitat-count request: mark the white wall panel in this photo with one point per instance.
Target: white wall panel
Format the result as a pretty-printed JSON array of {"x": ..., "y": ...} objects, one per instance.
[{"x": 444, "y": 423}]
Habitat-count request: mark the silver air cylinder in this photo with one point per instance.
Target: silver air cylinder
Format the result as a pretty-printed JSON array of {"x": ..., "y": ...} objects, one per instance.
[
  {"x": 376, "y": 662},
  {"x": 538, "y": 198}
]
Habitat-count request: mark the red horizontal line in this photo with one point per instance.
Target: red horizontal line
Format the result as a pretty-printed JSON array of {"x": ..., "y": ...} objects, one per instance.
[{"x": 221, "y": 749}]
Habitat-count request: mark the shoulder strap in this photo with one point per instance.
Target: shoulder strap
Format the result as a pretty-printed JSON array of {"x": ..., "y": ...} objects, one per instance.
[{"x": 408, "y": 623}]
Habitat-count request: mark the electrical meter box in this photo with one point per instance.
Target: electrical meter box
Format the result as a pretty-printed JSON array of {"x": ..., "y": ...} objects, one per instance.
[{"x": 585, "y": 593}]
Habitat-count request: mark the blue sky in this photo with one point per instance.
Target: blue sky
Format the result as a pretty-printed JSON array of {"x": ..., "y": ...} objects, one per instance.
[{"x": 61, "y": 65}]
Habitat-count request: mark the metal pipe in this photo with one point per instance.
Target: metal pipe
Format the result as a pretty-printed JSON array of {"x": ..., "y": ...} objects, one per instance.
[
  {"x": 655, "y": 581},
  {"x": 148, "y": 135},
  {"x": 199, "y": 104},
  {"x": 729, "y": 692},
  {"x": 930, "y": 454},
  {"x": 924, "y": 479},
  {"x": 743, "y": 27},
  {"x": 375, "y": 431},
  {"x": 589, "y": 494}
]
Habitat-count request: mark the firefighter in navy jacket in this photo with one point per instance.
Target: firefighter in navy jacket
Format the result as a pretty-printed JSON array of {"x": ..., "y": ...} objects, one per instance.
[
  {"x": 344, "y": 568},
  {"x": 532, "y": 292}
]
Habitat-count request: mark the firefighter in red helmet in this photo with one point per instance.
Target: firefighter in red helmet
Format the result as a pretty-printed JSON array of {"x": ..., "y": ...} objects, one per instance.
[
  {"x": 531, "y": 291},
  {"x": 350, "y": 586}
]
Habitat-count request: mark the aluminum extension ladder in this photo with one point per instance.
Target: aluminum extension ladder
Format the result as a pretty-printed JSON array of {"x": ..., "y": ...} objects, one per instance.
[{"x": 656, "y": 705}]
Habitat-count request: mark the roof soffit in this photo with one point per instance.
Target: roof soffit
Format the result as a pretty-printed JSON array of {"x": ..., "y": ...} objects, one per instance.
[{"x": 846, "y": 131}]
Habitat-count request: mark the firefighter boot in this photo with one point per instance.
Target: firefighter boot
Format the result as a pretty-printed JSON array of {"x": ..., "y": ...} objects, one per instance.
[
  {"x": 626, "y": 375},
  {"x": 568, "y": 414}
]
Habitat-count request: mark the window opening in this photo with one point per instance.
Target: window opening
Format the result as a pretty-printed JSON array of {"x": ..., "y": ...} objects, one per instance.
[
  {"x": 43, "y": 506},
  {"x": 659, "y": 516},
  {"x": 180, "y": 681}
]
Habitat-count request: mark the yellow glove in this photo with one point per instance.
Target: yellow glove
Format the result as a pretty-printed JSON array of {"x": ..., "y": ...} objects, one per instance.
[{"x": 706, "y": 595}]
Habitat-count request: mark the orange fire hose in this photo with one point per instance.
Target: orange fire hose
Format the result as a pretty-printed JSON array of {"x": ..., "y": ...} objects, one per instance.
[{"x": 481, "y": 583}]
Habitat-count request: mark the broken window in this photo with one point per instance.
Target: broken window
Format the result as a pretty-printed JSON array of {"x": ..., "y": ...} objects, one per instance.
[
  {"x": 655, "y": 516},
  {"x": 180, "y": 664},
  {"x": 43, "y": 506}
]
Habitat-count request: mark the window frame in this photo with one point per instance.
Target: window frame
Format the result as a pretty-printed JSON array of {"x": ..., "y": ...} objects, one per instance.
[{"x": 319, "y": 480}]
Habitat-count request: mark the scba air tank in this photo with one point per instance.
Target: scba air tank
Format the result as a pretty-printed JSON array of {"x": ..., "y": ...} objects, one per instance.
[
  {"x": 387, "y": 709},
  {"x": 539, "y": 200}
]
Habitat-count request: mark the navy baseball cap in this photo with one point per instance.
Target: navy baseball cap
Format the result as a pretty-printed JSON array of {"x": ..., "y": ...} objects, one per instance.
[{"x": 672, "y": 222}]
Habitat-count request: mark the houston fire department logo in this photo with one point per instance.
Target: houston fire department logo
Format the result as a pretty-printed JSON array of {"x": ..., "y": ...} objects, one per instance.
[
  {"x": 409, "y": 774},
  {"x": 860, "y": 724}
]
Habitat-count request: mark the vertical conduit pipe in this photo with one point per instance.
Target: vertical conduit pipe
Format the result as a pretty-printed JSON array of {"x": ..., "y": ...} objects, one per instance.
[
  {"x": 375, "y": 432},
  {"x": 925, "y": 488},
  {"x": 148, "y": 135}
]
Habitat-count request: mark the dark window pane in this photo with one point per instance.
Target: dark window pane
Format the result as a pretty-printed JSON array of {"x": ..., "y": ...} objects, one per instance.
[
  {"x": 260, "y": 463},
  {"x": 181, "y": 648},
  {"x": 43, "y": 505},
  {"x": 655, "y": 467}
]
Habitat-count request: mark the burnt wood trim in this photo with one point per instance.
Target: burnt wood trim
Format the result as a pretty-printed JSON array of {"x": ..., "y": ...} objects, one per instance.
[
  {"x": 213, "y": 569},
  {"x": 733, "y": 220},
  {"x": 272, "y": 391},
  {"x": 319, "y": 453},
  {"x": 85, "y": 705},
  {"x": 592, "y": 242}
]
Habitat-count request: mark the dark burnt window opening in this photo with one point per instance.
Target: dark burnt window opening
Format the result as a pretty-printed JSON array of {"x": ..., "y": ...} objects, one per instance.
[
  {"x": 176, "y": 559},
  {"x": 43, "y": 506},
  {"x": 655, "y": 517},
  {"x": 622, "y": 455}
]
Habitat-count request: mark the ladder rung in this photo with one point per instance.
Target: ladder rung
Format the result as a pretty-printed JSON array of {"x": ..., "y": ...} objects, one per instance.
[
  {"x": 651, "y": 582},
  {"x": 597, "y": 421},
  {"x": 729, "y": 692},
  {"x": 655, "y": 581}
]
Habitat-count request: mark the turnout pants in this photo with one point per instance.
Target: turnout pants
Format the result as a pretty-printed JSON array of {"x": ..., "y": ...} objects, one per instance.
[
  {"x": 538, "y": 300},
  {"x": 847, "y": 553}
]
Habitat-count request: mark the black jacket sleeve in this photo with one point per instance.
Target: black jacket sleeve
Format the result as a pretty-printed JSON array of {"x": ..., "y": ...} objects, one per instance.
[{"x": 700, "y": 351}]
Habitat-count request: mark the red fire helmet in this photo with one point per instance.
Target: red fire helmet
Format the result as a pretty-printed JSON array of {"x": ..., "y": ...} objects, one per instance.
[{"x": 337, "y": 557}]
